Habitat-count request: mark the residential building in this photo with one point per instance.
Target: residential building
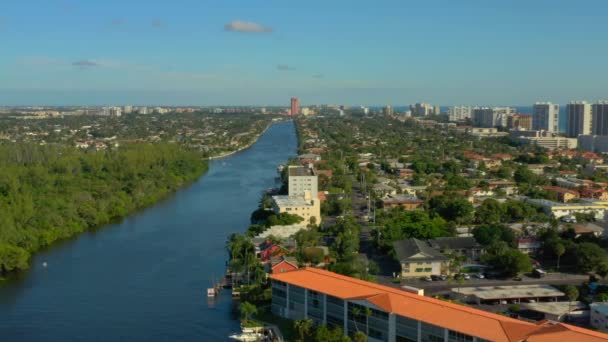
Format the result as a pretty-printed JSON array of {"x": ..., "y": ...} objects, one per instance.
[
  {"x": 407, "y": 202},
  {"x": 306, "y": 207},
  {"x": 545, "y": 139},
  {"x": 460, "y": 113},
  {"x": 578, "y": 116},
  {"x": 546, "y": 117},
  {"x": 423, "y": 109},
  {"x": 388, "y": 110},
  {"x": 599, "y": 119},
  {"x": 301, "y": 180},
  {"x": 464, "y": 246},
  {"x": 481, "y": 132},
  {"x": 282, "y": 264},
  {"x": 558, "y": 210},
  {"x": 295, "y": 106},
  {"x": 389, "y": 314},
  {"x": 528, "y": 245},
  {"x": 491, "y": 117},
  {"x": 595, "y": 143},
  {"x": 418, "y": 259},
  {"x": 599, "y": 316},
  {"x": 563, "y": 195},
  {"x": 519, "y": 122}
]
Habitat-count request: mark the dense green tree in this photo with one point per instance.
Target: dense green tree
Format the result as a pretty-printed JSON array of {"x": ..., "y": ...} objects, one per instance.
[
  {"x": 398, "y": 224},
  {"x": 508, "y": 261},
  {"x": 489, "y": 212},
  {"x": 487, "y": 234},
  {"x": 303, "y": 328},
  {"x": 452, "y": 208}
]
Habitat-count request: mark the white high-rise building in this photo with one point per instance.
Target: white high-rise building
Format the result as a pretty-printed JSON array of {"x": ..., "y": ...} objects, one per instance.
[
  {"x": 460, "y": 113},
  {"x": 302, "y": 181},
  {"x": 545, "y": 117},
  {"x": 422, "y": 109},
  {"x": 491, "y": 117},
  {"x": 127, "y": 109},
  {"x": 578, "y": 116},
  {"x": 599, "y": 122}
]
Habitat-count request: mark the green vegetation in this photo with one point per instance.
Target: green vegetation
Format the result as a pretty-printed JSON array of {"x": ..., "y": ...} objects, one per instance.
[{"x": 53, "y": 192}]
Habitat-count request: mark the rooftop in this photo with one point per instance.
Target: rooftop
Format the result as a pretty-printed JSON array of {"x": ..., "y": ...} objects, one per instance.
[
  {"x": 414, "y": 249},
  {"x": 555, "y": 308},
  {"x": 452, "y": 316},
  {"x": 290, "y": 201},
  {"x": 300, "y": 171},
  {"x": 508, "y": 292}
]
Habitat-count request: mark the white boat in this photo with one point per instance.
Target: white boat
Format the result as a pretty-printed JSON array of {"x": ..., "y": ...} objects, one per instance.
[
  {"x": 211, "y": 292},
  {"x": 247, "y": 337}
]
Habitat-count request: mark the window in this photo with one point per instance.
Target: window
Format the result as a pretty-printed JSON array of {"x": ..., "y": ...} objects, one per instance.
[
  {"x": 419, "y": 269},
  {"x": 455, "y": 336},
  {"x": 428, "y": 269}
]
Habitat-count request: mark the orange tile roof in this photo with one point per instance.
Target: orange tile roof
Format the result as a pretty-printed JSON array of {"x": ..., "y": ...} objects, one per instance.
[{"x": 441, "y": 313}]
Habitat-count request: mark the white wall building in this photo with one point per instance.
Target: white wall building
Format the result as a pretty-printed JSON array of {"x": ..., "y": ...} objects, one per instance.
[
  {"x": 578, "y": 116},
  {"x": 546, "y": 117},
  {"x": 491, "y": 117},
  {"x": 302, "y": 180},
  {"x": 460, "y": 113}
]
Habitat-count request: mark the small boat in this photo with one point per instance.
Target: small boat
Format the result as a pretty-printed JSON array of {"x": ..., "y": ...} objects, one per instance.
[
  {"x": 247, "y": 337},
  {"x": 211, "y": 292}
]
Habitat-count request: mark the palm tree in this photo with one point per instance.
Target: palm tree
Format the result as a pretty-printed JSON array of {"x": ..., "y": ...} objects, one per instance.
[
  {"x": 247, "y": 310},
  {"x": 572, "y": 294},
  {"x": 360, "y": 337},
  {"x": 559, "y": 250},
  {"x": 303, "y": 327}
]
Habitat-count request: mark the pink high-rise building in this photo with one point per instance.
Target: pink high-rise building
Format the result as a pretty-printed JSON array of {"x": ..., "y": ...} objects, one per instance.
[{"x": 295, "y": 106}]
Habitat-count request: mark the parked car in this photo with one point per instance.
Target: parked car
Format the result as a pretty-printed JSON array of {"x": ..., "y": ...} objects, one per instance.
[
  {"x": 427, "y": 278},
  {"x": 518, "y": 278},
  {"x": 466, "y": 276},
  {"x": 479, "y": 275}
]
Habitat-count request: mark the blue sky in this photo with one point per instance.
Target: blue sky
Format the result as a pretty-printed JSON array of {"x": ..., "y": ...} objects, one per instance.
[{"x": 262, "y": 52}]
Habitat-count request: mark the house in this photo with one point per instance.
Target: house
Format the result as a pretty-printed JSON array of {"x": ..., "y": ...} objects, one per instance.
[
  {"x": 596, "y": 193},
  {"x": 538, "y": 169},
  {"x": 464, "y": 246},
  {"x": 418, "y": 259},
  {"x": 563, "y": 195},
  {"x": 407, "y": 202},
  {"x": 406, "y": 173},
  {"x": 383, "y": 190},
  {"x": 271, "y": 251},
  {"x": 555, "y": 311},
  {"x": 282, "y": 264},
  {"x": 309, "y": 157},
  {"x": 509, "y": 188},
  {"x": 528, "y": 245},
  {"x": 326, "y": 173},
  {"x": 588, "y": 229}
]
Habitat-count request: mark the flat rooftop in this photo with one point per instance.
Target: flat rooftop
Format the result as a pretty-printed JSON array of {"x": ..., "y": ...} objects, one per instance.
[
  {"x": 291, "y": 201},
  {"x": 555, "y": 308},
  {"x": 300, "y": 171},
  {"x": 510, "y": 292}
]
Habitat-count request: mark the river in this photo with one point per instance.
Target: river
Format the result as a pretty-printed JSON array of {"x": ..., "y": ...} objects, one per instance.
[{"x": 145, "y": 278}]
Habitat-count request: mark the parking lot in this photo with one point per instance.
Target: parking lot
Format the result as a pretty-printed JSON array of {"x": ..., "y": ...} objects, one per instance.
[{"x": 444, "y": 286}]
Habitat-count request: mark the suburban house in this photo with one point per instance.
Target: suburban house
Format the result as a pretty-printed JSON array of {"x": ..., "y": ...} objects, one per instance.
[
  {"x": 407, "y": 202},
  {"x": 464, "y": 246},
  {"x": 282, "y": 264},
  {"x": 563, "y": 195},
  {"x": 418, "y": 259},
  {"x": 528, "y": 245}
]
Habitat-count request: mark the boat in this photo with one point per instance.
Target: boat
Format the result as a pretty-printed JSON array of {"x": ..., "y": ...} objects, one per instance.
[
  {"x": 211, "y": 292},
  {"x": 247, "y": 337}
]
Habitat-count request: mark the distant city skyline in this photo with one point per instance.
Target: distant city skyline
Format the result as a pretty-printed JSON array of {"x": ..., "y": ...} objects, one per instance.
[{"x": 468, "y": 52}]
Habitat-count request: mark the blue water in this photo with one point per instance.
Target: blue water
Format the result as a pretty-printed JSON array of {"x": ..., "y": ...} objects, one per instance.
[{"x": 145, "y": 278}]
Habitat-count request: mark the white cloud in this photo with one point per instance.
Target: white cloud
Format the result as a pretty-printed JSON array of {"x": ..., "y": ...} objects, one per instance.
[{"x": 246, "y": 27}]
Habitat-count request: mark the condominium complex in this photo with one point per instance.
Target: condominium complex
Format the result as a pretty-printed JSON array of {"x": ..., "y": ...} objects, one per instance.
[
  {"x": 546, "y": 117},
  {"x": 295, "y": 106},
  {"x": 301, "y": 180},
  {"x": 595, "y": 143},
  {"x": 578, "y": 116},
  {"x": 388, "y": 314},
  {"x": 460, "y": 113},
  {"x": 424, "y": 109},
  {"x": 491, "y": 117},
  {"x": 519, "y": 122},
  {"x": 544, "y": 139},
  {"x": 302, "y": 198},
  {"x": 599, "y": 118}
]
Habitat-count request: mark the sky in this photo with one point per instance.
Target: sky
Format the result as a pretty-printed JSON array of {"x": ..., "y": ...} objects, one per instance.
[{"x": 262, "y": 52}]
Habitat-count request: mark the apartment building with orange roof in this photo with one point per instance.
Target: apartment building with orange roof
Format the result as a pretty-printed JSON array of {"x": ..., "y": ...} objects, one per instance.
[{"x": 389, "y": 314}]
